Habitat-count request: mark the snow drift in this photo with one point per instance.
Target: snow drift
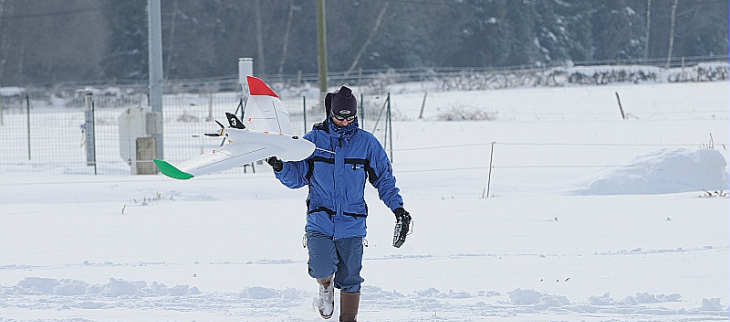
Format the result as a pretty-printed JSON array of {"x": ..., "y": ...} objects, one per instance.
[{"x": 664, "y": 171}]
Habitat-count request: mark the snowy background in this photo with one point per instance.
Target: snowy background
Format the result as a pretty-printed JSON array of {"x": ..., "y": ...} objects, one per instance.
[{"x": 588, "y": 217}]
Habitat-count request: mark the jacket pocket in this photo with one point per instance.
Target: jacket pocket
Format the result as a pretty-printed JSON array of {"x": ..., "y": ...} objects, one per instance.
[{"x": 359, "y": 209}]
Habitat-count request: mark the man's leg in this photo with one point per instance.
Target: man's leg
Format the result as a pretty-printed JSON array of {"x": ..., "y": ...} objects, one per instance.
[
  {"x": 326, "y": 297},
  {"x": 347, "y": 278},
  {"x": 322, "y": 266}
]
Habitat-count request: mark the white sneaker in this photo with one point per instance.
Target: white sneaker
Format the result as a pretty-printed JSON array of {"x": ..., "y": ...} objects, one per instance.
[{"x": 326, "y": 300}]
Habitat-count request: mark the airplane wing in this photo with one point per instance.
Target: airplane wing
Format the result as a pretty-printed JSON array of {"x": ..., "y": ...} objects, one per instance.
[
  {"x": 227, "y": 157},
  {"x": 246, "y": 146}
]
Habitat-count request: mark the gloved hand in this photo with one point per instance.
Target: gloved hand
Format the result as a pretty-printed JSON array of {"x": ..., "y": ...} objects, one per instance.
[
  {"x": 275, "y": 163},
  {"x": 402, "y": 226}
]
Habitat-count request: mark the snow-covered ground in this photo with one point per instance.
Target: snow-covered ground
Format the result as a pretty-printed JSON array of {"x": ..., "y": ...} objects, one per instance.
[{"x": 589, "y": 217}]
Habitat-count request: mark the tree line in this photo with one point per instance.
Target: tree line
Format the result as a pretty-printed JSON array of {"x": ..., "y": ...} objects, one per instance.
[{"x": 86, "y": 41}]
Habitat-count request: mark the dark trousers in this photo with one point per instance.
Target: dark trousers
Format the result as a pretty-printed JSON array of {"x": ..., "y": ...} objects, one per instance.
[{"x": 341, "y": 257}]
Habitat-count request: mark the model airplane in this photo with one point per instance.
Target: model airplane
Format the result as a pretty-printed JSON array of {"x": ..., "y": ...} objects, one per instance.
[{"x": 265, "y": 132}]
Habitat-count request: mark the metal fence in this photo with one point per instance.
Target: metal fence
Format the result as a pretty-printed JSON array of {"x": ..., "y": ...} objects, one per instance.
[
  {"x": 45, "y": 130},
  {"x": 50, "y": 136}
]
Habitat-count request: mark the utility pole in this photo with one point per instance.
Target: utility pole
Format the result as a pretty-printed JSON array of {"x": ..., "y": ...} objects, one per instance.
[
  {"x": 154, "y": 37},
  {"x": 322, "y": 49}
]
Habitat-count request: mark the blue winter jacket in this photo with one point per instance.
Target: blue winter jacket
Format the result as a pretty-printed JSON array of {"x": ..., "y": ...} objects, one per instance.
[{"x": 336, "y": 204}]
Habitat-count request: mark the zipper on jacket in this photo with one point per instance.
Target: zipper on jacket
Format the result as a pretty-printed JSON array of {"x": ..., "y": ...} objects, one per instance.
[{"x": 334, "y": 191}]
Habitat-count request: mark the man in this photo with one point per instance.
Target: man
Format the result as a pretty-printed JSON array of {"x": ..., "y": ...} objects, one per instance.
[{"x": 336, "y": 173}]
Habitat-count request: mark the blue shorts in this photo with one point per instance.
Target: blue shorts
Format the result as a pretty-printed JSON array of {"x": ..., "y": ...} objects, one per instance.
[{"x": 341, "y": 257}]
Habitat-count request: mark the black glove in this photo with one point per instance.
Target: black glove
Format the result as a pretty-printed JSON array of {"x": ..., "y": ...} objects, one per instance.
[
  {"x": 402, "y": 227},
  {"x": 275, "y": 163}
]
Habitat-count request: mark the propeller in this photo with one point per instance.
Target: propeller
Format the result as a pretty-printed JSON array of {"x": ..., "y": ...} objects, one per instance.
[{"x": 221, "y": 132}]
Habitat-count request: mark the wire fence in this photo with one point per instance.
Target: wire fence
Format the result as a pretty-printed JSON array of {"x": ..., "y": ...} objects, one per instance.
[
  {"x": 376, "y": 78},
  {"x": 37, "y": 136},
  {"x": 47, "y": 133},
  {"x": 591, "y": 168}
]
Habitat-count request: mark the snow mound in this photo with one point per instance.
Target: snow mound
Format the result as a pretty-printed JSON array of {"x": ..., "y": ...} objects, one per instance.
[
  {"x": 537, "y": 300},
  {"x": 114, "y": 289},
  {"x": 712, "y": 304},
  {"x": 264, "y": 293},
  {"x": 664, "y": 171}
]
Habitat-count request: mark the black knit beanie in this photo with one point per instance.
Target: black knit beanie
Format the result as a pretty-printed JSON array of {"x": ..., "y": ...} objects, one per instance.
[{"x": 343, "y": 103}]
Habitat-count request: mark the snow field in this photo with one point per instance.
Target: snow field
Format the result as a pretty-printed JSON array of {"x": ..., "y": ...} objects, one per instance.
[{"x": 541, "y": 246}]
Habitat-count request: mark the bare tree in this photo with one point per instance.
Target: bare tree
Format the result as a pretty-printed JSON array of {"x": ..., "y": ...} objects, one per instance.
[
  {"x": 4, "y": 41},
  {"x": 285, "y": 46},
  {"x": 673, "y": 19},
  {"x": 171, "y": 42},
  {"x": 260, "y": 39},
  {"x": 648, "y": 28},
  {"x": 373, "y": 32}
]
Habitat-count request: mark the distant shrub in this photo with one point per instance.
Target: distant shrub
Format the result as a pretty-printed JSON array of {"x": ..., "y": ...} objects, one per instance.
[
  {"x": 185, "y": 117},
  {"x": 462, "y": 113}
]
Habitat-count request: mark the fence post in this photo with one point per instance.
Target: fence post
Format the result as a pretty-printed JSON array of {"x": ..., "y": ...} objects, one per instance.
[
  {"x": 423, "y": 105},
  {"x": 362, "y": 112},
  {"x": 623, "y": 116},
  {"x": 385, "y": 133},
  {"x": 239, "y": 108},
  {"x": 210, "y": 104},
  {"x": 27, "y": 109},
  {"x": 145, "y": 150},
  {"x": 304, "y": 113},
  {"x": 380, "y": 115},
  {"x": 90, "y": 135},
  {"x": 489, "y": 178},
  {"x": 389, "y": 129}
]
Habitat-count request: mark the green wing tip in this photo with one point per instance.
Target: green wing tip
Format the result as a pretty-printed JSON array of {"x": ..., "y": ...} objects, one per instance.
[{"x": 171, "y": 171}]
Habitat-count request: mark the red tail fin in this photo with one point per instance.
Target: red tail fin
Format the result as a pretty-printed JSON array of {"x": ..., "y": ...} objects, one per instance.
[{"x": 258, "y": 87}]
